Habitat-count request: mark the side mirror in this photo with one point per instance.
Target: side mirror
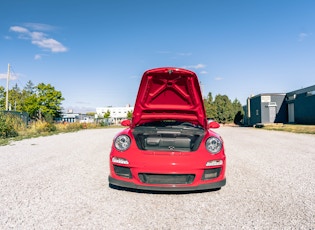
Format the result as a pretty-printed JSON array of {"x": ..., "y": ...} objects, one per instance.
[
  {"x": 125, "y": 122},
  {"x": 213, "y": 125}
]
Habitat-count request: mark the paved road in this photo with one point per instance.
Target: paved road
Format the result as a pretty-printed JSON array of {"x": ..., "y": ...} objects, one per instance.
[{"x": 60, "y": 182}]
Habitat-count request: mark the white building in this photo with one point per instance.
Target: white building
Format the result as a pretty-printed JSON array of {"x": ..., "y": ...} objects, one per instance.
[
  {"x": 117, "y": 114},
  {"x": 70, "y": 117}
]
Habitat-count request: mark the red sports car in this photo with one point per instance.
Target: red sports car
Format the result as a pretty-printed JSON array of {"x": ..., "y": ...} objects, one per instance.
[{"x": 168, "y": 145}]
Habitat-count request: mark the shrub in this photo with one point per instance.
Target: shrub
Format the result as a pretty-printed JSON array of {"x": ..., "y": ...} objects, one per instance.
[
  {"x": 68, "y": 127},
  {"x": 42, "y": 127},
  {"x": 9, "y": 125}
]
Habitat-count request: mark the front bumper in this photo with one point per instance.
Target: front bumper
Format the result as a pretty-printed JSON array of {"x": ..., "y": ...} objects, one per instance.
[{"x": 131, "y": 185}]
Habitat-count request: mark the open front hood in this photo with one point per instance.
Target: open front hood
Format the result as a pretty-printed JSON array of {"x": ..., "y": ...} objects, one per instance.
[{"x": 169, "y": 94}]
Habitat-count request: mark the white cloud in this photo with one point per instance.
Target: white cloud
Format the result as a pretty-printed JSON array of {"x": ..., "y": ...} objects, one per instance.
[
  {"x": 37, "y": 35},
  {"x": 39, "y": 26},
  {"x": 198, "y": 66},
  {"x": 3, "y": 76},
  {"x": 218, "y": 78},
  {"x": 303, "y": 36},
  {"x": 184, "y": 54},
  {"x": 39, "y": 38},
  {"x": 19, "y": 29},
  {"x": 38, "y": 57},
  {"x": 51, "y": 44}
]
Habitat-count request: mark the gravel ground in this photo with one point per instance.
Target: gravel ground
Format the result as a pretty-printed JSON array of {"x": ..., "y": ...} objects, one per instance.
[{"x": 60, "y": 182}]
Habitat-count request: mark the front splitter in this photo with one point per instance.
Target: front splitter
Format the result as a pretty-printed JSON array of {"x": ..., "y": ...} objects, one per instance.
[{"x": 124, "y": 184}]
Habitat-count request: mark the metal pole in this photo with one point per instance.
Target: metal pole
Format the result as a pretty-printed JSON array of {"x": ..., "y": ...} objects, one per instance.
[{"x": 7, "y": 90}]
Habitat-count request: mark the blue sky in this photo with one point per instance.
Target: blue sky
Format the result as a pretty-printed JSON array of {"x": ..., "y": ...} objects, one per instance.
[{"x": 95, "y": 51}]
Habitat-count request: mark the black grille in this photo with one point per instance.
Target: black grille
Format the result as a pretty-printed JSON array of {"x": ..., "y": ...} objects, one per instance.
[
  {"x": 149, "y": 178},
  {"x": 122, "y": 171}
]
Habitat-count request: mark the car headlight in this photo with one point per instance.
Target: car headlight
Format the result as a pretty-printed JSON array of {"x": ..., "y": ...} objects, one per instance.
[
  {"x": 122, "y": 142},
  {"x": 214, "y": 145}
]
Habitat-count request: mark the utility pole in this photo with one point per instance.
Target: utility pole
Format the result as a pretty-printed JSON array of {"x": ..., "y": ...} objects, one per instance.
[{"x": 7, "y": 91}]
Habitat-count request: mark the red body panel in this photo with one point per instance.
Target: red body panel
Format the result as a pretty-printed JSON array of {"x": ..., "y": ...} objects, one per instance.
[
  {"x": 160, "y": 162},
  {"x": 168, "y": 94}
]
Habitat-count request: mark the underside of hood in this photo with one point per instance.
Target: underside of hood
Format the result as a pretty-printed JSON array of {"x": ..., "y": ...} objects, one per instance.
[{"x": 169, "y": 94}]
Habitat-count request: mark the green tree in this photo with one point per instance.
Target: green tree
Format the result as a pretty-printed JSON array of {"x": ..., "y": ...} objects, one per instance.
[
  {"x": 49, "y": 101},
  {"x": 42, "y": 101},
  {"x": 224, "y": 109},
  {"x": 210, "y": 107},
  {"x": 16, "y": 98},
  {"x": 107, "y": 114},
  {"x": 2, "y": 98},
  {"x": 31, "y": 106},
  {"x": 29, "y": 88},
  {"x": 237, "y": 111},
  {"x": 129, "y": 114},
  {"x": 106, "y": 118}
]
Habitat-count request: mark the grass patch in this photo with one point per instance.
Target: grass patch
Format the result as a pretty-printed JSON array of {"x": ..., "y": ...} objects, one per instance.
[
  {"x": 42, "y": 128},
  {"x": 293, "y": 128}
]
